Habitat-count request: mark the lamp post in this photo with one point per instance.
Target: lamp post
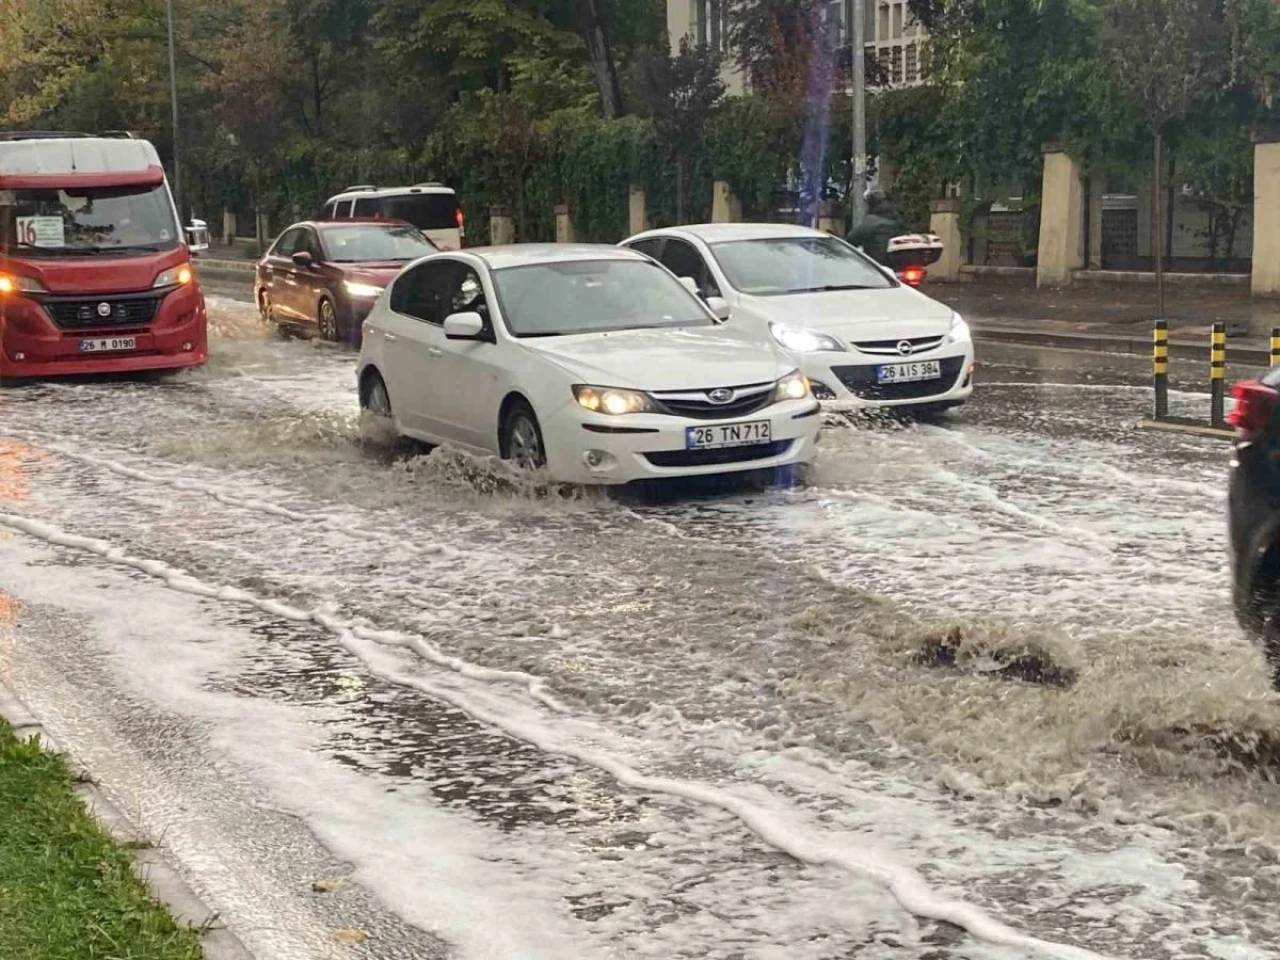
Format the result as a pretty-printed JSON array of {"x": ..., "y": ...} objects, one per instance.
[
  {"x": 858, "y": 40},
  {"x": 173, "y": 103}
]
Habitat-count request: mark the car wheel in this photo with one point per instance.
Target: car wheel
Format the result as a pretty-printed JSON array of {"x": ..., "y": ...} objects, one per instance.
[
  {"x": 375, "y": 398},
  {"x": 264, "y": 306},
  {"x": 522, "y": 438},
  {"x": 1266, "y": 626},
  {"x": 327, "y": 321}
]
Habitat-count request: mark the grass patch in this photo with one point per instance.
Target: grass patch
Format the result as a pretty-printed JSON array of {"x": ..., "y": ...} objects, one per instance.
[{"x": 67, "y": 890}]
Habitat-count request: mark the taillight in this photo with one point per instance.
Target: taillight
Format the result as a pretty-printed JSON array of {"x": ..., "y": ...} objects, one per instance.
[
  {"x": 912, "y": 276},
  {"x": 462, "y": 224},
  {"x": 1254, "y": 404}
]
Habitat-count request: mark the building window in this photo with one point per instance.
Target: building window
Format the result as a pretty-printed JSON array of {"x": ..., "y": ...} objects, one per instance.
[
  {"x": 882, "y": 29},
  {"x": 895, "y": 66},
  {"x": 897, "y": 21},
  {"x": 709, "y": 25},
  {"x": 913, "y": 63}
]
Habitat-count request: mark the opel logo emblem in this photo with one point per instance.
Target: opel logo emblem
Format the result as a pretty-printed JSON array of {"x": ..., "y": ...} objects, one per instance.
[
  {"x": 720, "y": 395},
  {"x": 905, "y": 348},
  {"x": 104, "y": 309}
]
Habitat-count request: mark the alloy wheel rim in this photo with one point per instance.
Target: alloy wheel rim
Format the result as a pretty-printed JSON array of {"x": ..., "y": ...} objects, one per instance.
[
  {"x": 379, "y": 402},
  {"x": 328, "y": 323},
  {"x": 526, "y": 450}
]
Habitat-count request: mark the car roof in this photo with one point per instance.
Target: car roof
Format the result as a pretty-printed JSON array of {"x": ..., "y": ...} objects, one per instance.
[
  {"x": 531, "y": 254},
  {"x": 725, "y": 232},
  {"x": 436, "y": 188}
]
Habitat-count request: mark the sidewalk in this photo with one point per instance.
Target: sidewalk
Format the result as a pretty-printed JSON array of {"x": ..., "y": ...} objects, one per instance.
[{"x": 1114, "y": 318}]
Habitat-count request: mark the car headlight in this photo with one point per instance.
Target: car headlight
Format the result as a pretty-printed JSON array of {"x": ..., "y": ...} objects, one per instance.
[
  {"x": 12, "y": 283},
  {"x": 362, "y": 291},
  {"x": 794, "y": 386},
  {"x": 959, "y": 332},
  {"x": 803, "y": 341},
  {"x": 611, "y": 400},
  {"x": 178, "y": 276}
]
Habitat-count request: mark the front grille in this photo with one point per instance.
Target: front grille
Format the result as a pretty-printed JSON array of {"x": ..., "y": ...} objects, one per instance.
[
  {"x": 83, "y": 314},
  {"x": 861, "y": 381},
  {"x": 891, "y": 347},
  {"x": 707, "y": 458},
  {"x": 697, "y": 405}
]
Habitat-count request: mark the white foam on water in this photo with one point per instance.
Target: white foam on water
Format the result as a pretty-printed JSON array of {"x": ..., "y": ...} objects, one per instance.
[{"x": 778, "y": 829}]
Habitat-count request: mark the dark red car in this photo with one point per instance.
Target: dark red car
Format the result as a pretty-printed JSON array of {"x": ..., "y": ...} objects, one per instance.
[{"x": 325, "y": 276}]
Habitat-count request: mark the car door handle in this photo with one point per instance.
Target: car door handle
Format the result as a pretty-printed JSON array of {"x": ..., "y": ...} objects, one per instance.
[
  {"x": 434, "y": 352},
  {"x": 389, "y": 337}
]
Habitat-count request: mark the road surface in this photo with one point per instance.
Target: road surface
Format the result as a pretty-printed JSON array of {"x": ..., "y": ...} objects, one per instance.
[{"x": 972, "y": 691}]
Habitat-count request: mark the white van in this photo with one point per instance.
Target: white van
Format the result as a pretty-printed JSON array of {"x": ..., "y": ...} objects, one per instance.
[{"x": 431, "y": 207}]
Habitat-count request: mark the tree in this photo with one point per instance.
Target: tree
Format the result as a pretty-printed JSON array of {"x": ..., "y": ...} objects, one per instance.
[
  {"x": 680, "y": 94},
  {"x": 1166, "y": 56}
]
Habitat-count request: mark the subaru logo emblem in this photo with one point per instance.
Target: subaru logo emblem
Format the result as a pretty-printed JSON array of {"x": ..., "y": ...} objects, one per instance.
[
  {"x": 104, "y": 309},
  {"x": 905, "y": 348},
  {"x": 720, "y": 395}
]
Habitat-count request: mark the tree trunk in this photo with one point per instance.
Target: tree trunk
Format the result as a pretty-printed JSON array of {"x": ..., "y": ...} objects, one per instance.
[
  {"x": 600, "y": 54},
  {"x": 679, "y": 189},
  {"x": 1157, "y": 231}
]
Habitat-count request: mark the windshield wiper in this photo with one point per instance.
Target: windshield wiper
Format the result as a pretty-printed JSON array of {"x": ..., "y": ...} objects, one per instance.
[{"x": 832, "y": 287}]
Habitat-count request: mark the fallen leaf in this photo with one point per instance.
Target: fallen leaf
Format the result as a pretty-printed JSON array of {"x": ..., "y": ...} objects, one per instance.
[{"x": 351, "y": 935}]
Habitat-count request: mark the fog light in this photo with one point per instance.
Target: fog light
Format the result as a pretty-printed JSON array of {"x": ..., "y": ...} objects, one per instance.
[
  {"x": 821, "y": 391},
  {"x": 188, "y": 345},
  {"x": 19, "y": 356},
  {"x": 599, "y": 460}
]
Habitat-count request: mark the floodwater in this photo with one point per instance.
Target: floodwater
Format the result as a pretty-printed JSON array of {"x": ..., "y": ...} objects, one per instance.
[{"x": 973, "y": 690}]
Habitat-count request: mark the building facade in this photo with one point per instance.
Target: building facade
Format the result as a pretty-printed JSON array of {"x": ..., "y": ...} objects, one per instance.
[{"x": 893, "y": 38}]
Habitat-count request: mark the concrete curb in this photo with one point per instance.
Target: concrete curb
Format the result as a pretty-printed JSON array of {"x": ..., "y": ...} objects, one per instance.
[
  {"x": 162, "y": 881},
  {"x": 1191, "y": 427},
  {"x": 204, "y": 265},
  {"x": 1115, "y": 343}
]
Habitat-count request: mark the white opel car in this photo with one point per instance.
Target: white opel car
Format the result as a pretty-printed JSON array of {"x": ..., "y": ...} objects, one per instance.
[
  {"x": 592, "y": 361},
  {"x": 864, "y": 339}
]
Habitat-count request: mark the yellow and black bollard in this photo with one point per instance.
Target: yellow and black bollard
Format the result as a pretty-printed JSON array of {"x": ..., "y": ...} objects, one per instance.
[
  {"x": 1160, "y": 367},
  {"x": 1217, "y": 374},
  {"x": 1275, "y": 346}
]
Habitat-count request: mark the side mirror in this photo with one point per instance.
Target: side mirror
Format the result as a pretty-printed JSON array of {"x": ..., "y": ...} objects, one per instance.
[
  {"x": 690, "y": 284},
  {"x": 463, "y": 326},
  {"x": 302, "y": 259},
  {"x": 720, "y": 307}
]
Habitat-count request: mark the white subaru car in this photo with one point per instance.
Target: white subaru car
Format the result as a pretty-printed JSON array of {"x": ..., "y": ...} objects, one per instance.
[
  {"x": 591, "y": 361},
  {"x": 864, "y": 339}
]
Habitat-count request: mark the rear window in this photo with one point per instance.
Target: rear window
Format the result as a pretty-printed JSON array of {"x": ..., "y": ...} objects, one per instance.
[{"x": 426, "y": 211}]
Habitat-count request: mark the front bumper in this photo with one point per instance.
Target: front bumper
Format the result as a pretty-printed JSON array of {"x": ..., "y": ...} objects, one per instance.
[
  {"x": 848, "y": 381},
  {"x": 589, "y": 448},
  {"x": 32, "y": 345}
]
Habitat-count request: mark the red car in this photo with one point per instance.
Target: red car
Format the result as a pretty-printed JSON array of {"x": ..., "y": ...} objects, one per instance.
[{"x": 324, "y": 276}]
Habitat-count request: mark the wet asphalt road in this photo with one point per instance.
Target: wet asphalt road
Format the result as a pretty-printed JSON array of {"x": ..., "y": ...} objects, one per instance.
[{"x": 972, "y": 674}]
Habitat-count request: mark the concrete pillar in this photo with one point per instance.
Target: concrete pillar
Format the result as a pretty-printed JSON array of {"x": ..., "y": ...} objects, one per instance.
[
  {"x": 502, "y": 226},
  {"x": 1061, "y": 219},
  {"x": 637, "y": 217},
  {"x": 1266, "y": 213},
  {"x": 228, "y": 228},
  {"x": 944, "y": 222},
  {"x": 831, "y": 218},
  {"x": 564, "y": 224},
  {"x": 725, "y": 207}
]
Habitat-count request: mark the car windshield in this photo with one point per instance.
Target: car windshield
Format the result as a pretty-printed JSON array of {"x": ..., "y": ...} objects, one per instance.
[
  {"x": 356, "y": 244},
  {"x": 783, "y": 265},
  {"x": 594, "y": 296},
  {"x": 87, "y": 221}
]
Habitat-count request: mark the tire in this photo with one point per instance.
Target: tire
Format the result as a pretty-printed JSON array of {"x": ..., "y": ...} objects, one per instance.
[
  {"x": 264, "y": 306},
  {"x": 521, "y": 437},
  {"x": 375, "y": 398},
  {"x": 327, "y": 320}
]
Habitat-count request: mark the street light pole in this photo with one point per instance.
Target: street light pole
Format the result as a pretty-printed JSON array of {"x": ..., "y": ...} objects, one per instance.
[
  {"x": 858, "y": 38},
  {"x": 173, "y": 102}
]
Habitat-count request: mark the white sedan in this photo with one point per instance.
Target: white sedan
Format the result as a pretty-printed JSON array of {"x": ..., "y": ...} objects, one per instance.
[
  {"x": 864, "y": 339},
  {"x": 592, "y": 361}
]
